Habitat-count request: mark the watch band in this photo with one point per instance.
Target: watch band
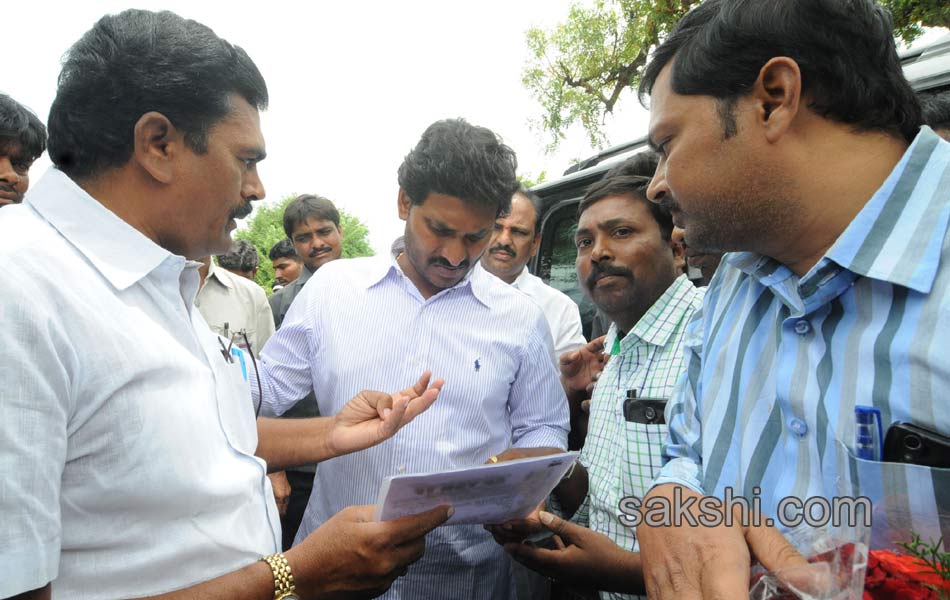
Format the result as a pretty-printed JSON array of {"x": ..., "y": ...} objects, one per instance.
[{"x": 283, "y": 577}]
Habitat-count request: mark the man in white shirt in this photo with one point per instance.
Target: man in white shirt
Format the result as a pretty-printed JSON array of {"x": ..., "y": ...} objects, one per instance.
[
  {"x": 234, "y": 306},
  {"x": 370, "y": 320},
  {"x": 132, "y": 464},
  {"x": 514, "y": 241}
]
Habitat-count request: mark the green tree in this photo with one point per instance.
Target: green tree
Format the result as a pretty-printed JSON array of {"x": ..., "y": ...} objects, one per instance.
[
  {"x": 581, "y": 68},
  {"x": 266, "y": 228}
]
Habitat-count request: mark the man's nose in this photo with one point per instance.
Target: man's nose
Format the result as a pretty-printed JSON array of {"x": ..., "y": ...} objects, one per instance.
[
  {"x": 657, "y": 188},
  {"x": 253, "y": 188},
  {"x": 8, "y": 174}
]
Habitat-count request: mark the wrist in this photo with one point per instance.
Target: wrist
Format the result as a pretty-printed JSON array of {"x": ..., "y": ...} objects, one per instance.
[
  {"x": 305, "y": 575},
  {"x": 282, "y": 577}
]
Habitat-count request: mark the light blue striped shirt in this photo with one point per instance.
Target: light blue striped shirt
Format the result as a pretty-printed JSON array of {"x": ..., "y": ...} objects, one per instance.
[
  {"x": 776, "y": 364},
  {"x": 362, "y": 324}
]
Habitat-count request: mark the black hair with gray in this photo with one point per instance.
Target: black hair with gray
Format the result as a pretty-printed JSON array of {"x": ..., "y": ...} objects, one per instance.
[
  {"x": 936, "y": 110},
  {"x": 462, "y": 160},
  {"x": 20, "y": 127},
  {"x": 309, "y": 206},
  {"x": 283, "y": 249},
  {"x": 136, "y": 62},
  {"x": 242, "y": 257},
  {"x": 844, "y": 48},
  {"x": 536, "y": 204}
]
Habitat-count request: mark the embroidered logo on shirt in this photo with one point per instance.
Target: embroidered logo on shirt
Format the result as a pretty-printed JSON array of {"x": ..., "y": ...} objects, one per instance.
[{"x": 477, "y": 365}]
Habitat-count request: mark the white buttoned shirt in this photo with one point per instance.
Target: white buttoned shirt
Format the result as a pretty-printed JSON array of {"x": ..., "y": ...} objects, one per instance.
[
  {"x": 562, "y": 314},
  {"x": 126, "y": 439}
]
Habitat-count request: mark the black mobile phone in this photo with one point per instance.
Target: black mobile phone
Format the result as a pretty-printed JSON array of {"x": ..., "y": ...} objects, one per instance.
[
  {"x": 912, "y": 444},
  {"x": 648, "y": 411}
]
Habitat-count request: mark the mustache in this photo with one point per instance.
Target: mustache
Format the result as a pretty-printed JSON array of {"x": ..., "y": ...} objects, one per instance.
[
  {"x": 668, "y": 204},
  {"x": 601, "y": 269},
  {"x": 242, "y": 211},
  {"x": 313, "y": 253},
  {"x": 444, "y": 263},
  {"x": 503, "y": 248}
]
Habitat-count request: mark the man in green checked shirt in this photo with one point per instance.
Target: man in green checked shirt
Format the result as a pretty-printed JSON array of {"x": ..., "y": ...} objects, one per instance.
[{"x": 625, "y": 263}]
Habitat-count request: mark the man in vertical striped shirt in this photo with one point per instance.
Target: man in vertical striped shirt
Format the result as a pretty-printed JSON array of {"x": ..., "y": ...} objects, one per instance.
[
  {"x": 788, "y": 134},
  {"x": 429, "y": 305}
]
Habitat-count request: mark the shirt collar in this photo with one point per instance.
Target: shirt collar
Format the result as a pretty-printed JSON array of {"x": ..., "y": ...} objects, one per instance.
[
  {"x": 219, "y": 275},
  {"x": 523, "y": 280},
  {"x": 650, "y": 328},
  {"x": 477, "y": 279},
  {"x": 897, "y": 236},
  {"x": 116, "y": 249}
]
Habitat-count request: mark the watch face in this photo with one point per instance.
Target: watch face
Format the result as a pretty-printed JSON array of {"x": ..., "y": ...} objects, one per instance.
[{"x": 290, "y": 596}]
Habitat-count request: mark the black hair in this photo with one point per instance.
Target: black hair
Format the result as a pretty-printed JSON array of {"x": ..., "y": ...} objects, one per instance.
[
  {"x": 242, "y": 257},
  {"x": 641, "y": 164},
  {"x": 283, "y": 249},
  {"x": 461, "y": 160},
  {"x": 309, "y": 206},
  {"x": 140, "y": 61},
  {"x": 936, "y": 110},
  {"x": 844, "y": 48},
  {"x": 19, "y": 126},
  {"x": 536, "y": 204},
  {"x": 630, "y": 179}
]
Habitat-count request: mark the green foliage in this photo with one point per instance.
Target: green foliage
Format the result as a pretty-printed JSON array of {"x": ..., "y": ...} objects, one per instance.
[
  {"x": 266, "y": 228},
  {"x": 931, "y": 558},
  {"x": 529, "y": 181},
  {"x": 581, "y": 68},
  {"x": 910, "y": 15}
]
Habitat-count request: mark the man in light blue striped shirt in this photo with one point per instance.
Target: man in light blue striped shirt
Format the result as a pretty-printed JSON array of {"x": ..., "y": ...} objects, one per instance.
[
  {"x": 787, "y": 132},
  {"x": 429, "y": 305}
]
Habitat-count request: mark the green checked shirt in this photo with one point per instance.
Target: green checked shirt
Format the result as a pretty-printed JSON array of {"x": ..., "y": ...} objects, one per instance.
[{"x": 622, "y": 458}]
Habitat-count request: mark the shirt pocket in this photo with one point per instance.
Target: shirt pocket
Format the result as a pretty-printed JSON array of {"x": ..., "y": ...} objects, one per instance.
[
  {"x": 235, "y": 405},
  {"x": 642, "y": 457},
  {"x": 905, "y": 498}
]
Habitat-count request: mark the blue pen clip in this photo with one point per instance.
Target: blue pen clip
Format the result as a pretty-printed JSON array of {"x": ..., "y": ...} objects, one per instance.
[
  {"x": 868, "y": 433},
  {"x": 240, "y": 356}
]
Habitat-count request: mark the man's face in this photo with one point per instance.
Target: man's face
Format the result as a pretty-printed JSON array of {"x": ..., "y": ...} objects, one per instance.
[
  {"x": 445, "y": 237},
  {"x": 14, "y": 173},
  {"x": 623, "y": 262},
  {"x": 513, "y": 241},
  {"x": 286, "y": 270},
  {"x": 318, "y": 241},
  {"x": 724, "y": 192},
  {"x": 216, "y": 187}
]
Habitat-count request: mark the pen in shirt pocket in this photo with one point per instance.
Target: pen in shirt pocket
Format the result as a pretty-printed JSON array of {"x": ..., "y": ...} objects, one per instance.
[{"x": 868, "y": 433}]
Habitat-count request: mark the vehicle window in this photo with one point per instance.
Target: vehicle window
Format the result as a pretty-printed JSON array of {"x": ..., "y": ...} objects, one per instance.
[{"x": 556, "y": 260}]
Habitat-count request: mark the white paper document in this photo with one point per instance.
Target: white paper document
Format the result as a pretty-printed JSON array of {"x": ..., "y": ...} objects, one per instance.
[{"x": 481, "y": 495}]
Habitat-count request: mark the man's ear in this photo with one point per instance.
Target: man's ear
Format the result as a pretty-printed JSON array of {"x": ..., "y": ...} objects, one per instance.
[
  {"x": 156, "y": 143},
  {"x": 405, "y": 203},
  {"x": 535, "y": 245},
  {"x": 777, "y": 93},
  {"x": 679, "y": 252}
]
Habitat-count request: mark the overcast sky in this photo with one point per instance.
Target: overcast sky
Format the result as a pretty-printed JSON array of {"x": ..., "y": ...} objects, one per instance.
[{"x": 352, "y": 85}]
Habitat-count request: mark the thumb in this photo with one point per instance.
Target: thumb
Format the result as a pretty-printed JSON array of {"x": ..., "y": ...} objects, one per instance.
[
  {"x": 772, "y": 549},
  {"x": 558, "y": 526},
  {"x": 381, "y": 401},
  {"x": 406, "y": 529}
]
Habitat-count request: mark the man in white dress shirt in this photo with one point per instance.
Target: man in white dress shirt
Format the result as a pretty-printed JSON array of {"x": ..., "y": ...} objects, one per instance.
[
  {"x": 131, "y": 462},
  {"x": 514, "y": 241},
  {"x": 369, "y": 321}
]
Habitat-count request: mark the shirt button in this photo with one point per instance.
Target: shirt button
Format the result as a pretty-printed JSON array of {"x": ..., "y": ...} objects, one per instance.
[
  {"x": 798, "y": 427},
  {"x": 802, "y": 327}
]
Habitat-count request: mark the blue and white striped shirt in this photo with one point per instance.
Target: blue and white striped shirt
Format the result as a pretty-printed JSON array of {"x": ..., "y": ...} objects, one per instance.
[
  {"x": 362, "y": 324},
  {"x": 776, "y": 364}
]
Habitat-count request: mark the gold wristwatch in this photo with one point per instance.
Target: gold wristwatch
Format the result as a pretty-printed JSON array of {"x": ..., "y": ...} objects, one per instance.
[{"x": 283, "y": 578}]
